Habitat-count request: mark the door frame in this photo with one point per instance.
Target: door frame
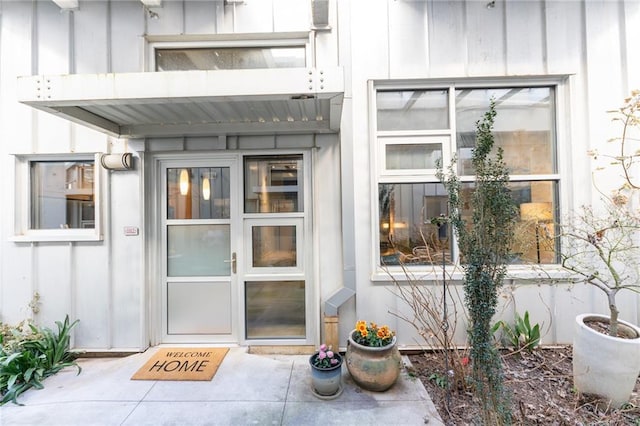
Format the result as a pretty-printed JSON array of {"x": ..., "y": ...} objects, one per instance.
[{"x": 156, "y": 191}]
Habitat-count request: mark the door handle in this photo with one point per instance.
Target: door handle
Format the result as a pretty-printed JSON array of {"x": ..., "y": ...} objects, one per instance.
[{"x": 232, "y": 261}]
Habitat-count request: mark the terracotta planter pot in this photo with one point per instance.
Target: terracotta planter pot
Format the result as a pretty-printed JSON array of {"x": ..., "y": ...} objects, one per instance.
[
  {"x": 604, "y": 365},
  {"x": 326, "y": 383},
  {"x": 373, "y": 368}
]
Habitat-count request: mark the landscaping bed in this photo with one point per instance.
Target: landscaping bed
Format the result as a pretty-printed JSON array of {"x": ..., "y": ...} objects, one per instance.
[{"x": 541, "y": 386}]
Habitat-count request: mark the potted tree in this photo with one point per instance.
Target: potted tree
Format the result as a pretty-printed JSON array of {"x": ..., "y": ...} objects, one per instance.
[{"x": 602, "y": 248}]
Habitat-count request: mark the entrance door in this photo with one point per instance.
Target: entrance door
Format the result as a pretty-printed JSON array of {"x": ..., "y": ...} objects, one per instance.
[{"x": 199, "y": 296}]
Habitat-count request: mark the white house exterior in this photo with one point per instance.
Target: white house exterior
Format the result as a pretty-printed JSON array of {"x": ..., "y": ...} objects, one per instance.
[{"x": 264, "y": 154}]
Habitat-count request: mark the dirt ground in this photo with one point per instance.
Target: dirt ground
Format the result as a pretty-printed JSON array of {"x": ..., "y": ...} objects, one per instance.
[{"x": 541, "y": 388}]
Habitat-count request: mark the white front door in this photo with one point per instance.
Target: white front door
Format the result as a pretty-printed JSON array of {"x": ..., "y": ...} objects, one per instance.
[
  {"x": 236, "y": 250},
  {"x": 199, "y": 290}
]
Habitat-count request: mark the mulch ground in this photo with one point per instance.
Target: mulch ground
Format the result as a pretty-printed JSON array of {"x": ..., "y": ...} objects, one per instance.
[{"x": 541, "y": 387}]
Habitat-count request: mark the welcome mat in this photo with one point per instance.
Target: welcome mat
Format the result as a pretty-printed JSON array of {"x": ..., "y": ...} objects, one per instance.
[{"x": 182, "y": 364}]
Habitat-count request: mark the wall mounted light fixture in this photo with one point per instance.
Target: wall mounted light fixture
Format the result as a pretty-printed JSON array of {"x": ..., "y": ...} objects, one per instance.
[{"x": 117, "y": 161}]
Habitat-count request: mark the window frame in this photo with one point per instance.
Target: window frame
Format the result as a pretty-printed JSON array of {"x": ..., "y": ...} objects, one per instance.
[
  {"x": 380, "y": 175},
  {"x": 22, "y": 201},
  {"x": 284, "y": 39}
]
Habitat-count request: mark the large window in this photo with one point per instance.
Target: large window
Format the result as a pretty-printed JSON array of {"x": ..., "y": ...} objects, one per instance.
[{"x": 418, "y": 128}]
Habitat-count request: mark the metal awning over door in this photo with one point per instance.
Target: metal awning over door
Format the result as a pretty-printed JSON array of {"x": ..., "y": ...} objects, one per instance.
[{"x": 193, "y": 103}]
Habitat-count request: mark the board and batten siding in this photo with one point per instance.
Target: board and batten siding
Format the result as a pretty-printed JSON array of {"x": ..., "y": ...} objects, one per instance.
[
  {"x": 593, "y": 43},
  {"x": 105, "y": 284},
  {"x": 102, "y": 283}
]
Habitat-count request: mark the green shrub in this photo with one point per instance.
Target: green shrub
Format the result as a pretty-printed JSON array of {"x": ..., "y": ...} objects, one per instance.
[
  {"x": 29, "y": 354},
  {"x": 484, "y": 241}
]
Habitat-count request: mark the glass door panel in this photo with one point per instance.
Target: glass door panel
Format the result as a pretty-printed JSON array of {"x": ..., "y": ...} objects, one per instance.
[
  {"x": 198, "y": 193},
  {"x": 273, "y": 246},
  {"x": 199, "y": 303},
  {"x": 275, "y": 309},
  {"x": 273, "y": 184},
  {"x": 198, "y": 250}
]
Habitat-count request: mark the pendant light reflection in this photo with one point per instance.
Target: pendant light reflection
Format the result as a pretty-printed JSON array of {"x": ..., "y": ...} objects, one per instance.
[
  {"x": 206, "y": 189},
  {"x": 184, "y": 182}
]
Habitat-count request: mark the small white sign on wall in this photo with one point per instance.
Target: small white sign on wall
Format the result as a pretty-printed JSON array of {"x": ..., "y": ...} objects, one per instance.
[{"x": 131, "y": 231}]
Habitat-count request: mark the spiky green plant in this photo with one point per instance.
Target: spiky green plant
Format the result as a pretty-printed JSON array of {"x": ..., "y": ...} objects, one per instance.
[{"x": 26, "y": 359}]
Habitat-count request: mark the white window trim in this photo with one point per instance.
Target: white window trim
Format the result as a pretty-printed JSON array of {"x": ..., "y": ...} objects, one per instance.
[
  {"x": 561, "y": 83},
  {"x": 294, "y": 39},
  {"x": 253, "y": 271},
  {"x": 22, "y": 191},
  {"x": 385, "y": 140}
]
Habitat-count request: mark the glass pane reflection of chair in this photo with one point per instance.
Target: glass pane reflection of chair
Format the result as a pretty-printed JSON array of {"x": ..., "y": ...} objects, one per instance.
[{"x": 434, "y": 250}]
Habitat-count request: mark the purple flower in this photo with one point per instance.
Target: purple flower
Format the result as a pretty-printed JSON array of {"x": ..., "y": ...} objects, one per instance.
[
  {"x": 322, "y": 355},
  {"x": 330, "y": 354},
  {"x": 323, "y": 347},
  {"x": 334, "y": 361}
]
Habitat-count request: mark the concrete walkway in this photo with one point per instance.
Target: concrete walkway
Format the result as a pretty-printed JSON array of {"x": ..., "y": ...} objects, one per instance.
[{"x": 247, "y": 390}]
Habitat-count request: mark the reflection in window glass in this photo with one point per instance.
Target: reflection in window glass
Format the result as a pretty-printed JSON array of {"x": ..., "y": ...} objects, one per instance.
[
  {"x": 275, "y": 309},
  {"x": 62, "y": 195},
  {"x": 535, "y": 233},
  {"x": 230, "y": 58},
  {"x": 198, "y": 193},
  {"x": 534, "y": 239},
  {"x": 412, "y": 109},
  {"x": 524, "y": 127},
  {"x": 410, "y": 231},
  {"x": 273, "y": 184},
  {"x": 273, "y": 246}
]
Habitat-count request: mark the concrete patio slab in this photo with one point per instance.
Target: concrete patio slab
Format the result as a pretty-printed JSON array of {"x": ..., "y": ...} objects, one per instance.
[{"x": 248, "y": 389}]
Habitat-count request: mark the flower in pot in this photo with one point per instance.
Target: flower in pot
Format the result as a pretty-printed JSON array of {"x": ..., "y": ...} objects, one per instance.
[
  {"x": 326, "y": 373},
  {"x": 372, "y": 356},
  {"x": 602, "y": 249}
]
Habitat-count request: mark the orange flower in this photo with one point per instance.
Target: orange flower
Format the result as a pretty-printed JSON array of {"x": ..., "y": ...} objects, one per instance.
[
  {"x": 384, "y": 332},
  {"x": 371, "y": 335},
  {"x": 361, "y": 326}
]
